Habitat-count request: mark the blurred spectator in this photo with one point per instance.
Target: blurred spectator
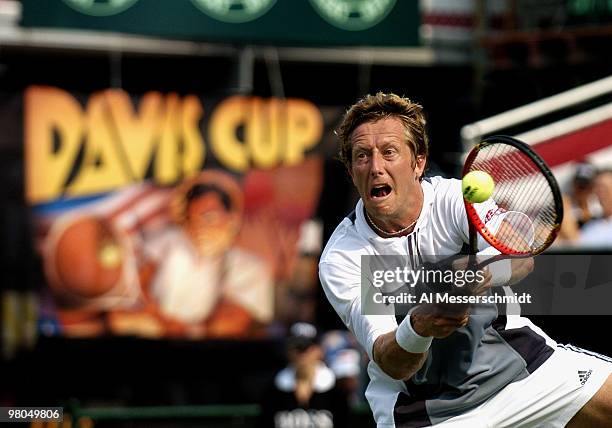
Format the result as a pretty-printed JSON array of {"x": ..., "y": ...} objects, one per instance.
[
  {"x": 584, "y": 203},
  {"x": 346, "y": 365},
  {"x": 570, "y": 231},
  {"x": 304, "y": 394},
  {"x": 599, "y": 232},
  {"x": 341, "y": 353},
  {"x": 580, "y": 204}
]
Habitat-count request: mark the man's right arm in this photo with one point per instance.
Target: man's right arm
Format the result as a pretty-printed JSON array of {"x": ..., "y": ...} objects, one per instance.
[
  {"x": 393, "y": 360},
  {"x": 378, "y": 333},
  {"x": 424, "y": 323}
]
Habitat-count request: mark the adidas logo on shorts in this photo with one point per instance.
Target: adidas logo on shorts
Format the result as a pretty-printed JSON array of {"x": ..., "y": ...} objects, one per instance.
[{"x": 583, "y": 376}]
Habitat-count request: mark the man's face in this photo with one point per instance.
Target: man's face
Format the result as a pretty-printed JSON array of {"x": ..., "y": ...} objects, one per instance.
[
  {"x": 384, "y": 169},
  {"x": 209, "y": 224},
  {"x": 304, "y": 358}
]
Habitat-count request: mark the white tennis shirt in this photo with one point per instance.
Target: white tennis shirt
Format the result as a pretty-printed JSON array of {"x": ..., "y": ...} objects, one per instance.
[{"x": 462, "y": 370}]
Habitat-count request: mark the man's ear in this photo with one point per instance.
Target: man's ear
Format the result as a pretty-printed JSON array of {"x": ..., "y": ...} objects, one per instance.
[{"x": 419, "y": 167}]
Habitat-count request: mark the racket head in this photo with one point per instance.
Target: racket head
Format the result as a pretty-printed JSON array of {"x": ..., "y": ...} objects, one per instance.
[{"x": 527, "y": 208}]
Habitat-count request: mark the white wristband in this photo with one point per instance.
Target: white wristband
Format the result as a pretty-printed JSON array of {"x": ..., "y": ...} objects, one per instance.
[
  {"x": 500, "y": 271},
  {"x": 409, "y": 340}
]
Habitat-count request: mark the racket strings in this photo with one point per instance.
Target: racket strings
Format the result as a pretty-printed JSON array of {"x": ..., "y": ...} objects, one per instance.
[
  {"x": 527, "y": 212},
  {"x": 526, "y": 197},
  {"x": 516, "y": 230},
  {"x": 516, "y": 195}
]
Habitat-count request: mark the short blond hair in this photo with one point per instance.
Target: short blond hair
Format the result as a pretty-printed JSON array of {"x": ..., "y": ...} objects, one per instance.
[{"x": 373, "y": 108}]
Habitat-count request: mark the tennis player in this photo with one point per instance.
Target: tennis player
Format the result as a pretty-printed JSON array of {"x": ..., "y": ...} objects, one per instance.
[{"x": 435, "y": 368}]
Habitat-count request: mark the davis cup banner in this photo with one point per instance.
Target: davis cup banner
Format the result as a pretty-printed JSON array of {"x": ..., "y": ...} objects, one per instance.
[{"x": 167, "y": 215}]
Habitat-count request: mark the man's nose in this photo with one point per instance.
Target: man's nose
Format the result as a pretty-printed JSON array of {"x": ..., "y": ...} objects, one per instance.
[{"x": 377, "y": 164}]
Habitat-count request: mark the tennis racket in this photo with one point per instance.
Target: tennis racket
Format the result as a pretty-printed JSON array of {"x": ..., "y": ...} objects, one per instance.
[{"x": 524, "y": 213}]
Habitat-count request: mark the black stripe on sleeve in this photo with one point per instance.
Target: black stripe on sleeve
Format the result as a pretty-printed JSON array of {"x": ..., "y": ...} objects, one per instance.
[
  {"x": 416, "y": 247},
  {"x": 409, "y": 244}
]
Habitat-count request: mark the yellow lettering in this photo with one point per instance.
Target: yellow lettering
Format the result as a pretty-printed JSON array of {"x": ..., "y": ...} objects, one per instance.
[
  {"x": 167, "y": 158},
  {"x": 48, "y": 160},
  {"x": 228, "y": 116},
  {"x": 262, "y": 132},
  {"x": 193, "y": 145},
  {"x": 136, "y": 132},
  {"x": 304, "y": 129},
  {"x": 275, "y": 131},
  {"x": 120, "y": 141},
  {"x": 104, "y": 164}
]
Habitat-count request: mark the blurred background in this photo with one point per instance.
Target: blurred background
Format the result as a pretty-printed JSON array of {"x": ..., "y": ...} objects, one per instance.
[{"x": 169, "y": 179}]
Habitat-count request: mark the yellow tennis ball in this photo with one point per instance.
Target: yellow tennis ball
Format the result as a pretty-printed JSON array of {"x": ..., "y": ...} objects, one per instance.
[{"x": 477, "y": 186}]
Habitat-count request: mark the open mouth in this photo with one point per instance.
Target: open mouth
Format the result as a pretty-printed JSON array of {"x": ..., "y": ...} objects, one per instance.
[{"x": 380, "y": 191}]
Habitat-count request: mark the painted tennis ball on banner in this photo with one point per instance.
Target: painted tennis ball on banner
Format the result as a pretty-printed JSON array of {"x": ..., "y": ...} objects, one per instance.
[
  {"x": 477, "y": 186},
  {"x": 88, "y": 258},
  {"x": 109, "y": 255}
]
